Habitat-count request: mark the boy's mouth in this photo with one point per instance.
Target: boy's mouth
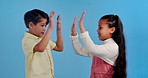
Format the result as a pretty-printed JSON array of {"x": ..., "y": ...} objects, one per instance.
[{"x": 42, "y": 32}]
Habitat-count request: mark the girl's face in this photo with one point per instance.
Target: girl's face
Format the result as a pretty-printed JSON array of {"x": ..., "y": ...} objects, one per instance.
[
  {"x": 40, "y": 28},
  {"x": 104, "y": 31}
]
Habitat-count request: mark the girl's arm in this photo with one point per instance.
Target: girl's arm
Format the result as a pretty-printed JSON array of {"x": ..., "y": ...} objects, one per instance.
[
  {"x": 75, "y": 42},
  {"x": 59, "y": 42},
  {"x": 78, "y": 47},
  {"x": 107, "y": 52}
]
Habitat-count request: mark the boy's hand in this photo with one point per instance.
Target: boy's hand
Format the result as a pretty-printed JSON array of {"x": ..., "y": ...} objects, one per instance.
[
  {"x": 81, "y": 24},
  {"x": 51, "y": 21},
  {"x": 59, "y": 42},
  {"x": 73, "y": 28},
  {"x": 59, "y": 25}
]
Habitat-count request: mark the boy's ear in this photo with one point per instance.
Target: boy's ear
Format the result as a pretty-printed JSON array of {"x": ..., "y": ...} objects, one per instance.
[
  {"x": 30, "y": 24},
  {"x": 113, "y": 29}
]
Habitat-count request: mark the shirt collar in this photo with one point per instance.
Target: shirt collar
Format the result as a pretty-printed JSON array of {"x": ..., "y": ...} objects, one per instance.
[
  {"x": 110, "y": 40},
  {"x": 27, "y": 34}
]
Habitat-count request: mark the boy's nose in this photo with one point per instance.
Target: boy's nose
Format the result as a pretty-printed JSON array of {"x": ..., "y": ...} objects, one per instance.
[{"x": 44, "y": 28}]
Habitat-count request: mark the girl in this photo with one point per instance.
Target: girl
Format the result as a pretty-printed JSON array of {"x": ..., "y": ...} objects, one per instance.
[{"x": 109, "y": 59}]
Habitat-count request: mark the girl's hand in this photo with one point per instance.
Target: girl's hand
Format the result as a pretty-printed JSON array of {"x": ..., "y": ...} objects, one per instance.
[
  {"x": 59, "y": 25},
  {"x": 81, "y": 24},
  {"x": 73, "y": 29},
  {"x": 51, "y": 22}
]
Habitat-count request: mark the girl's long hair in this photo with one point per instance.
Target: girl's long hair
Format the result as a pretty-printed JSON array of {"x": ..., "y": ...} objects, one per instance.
[{"x": 118, "y": 36}]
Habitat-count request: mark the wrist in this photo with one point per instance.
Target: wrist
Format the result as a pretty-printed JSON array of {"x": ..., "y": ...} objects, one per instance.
[
  {"x": 51, "y": 24},
  {"x": 73, "y": 34},
  {"x": 58, "y": 22},
  {"x": 82, "y": 29},
  {"x": 58, "y": 30}
]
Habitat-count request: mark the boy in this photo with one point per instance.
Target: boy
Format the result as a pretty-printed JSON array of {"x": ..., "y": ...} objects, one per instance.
[{"x": 37, "y": 46}]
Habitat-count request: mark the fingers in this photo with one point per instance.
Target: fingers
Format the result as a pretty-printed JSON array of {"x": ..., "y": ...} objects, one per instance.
[
  {"x": 51, "y": 13},
  {"x": 82, "y": 17},
  {"x": 59, "y": 25},
  {"x": 58, "y": 18},
  {"x": 74, "y": 22},
  {"x": 81, "y": 20},
  {"x": 73, "y": 28},
  {"x": 51, "y": 21},
  {"x": 81, "y": 23}
]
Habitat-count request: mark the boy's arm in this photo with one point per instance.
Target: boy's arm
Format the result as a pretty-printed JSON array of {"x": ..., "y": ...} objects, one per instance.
[
  {"x": 41, "y": 46},
  {"x": 59, "y": 42}
]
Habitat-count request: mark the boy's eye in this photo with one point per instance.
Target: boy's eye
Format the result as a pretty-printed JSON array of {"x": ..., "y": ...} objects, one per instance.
[{"x": 42, "y": 25}]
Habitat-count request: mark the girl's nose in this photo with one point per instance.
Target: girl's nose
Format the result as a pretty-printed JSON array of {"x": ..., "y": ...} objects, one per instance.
[{"x": 97, "y": 30}]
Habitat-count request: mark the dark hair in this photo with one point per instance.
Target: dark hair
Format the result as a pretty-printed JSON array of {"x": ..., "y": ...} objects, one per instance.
[
  {"x": 35, "y": 16},
  {"x": 118, "y": 36}
]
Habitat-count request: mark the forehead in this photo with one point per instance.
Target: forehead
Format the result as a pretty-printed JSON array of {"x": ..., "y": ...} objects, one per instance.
[
  {"x": 102, "y": 22},
  {"x": 43, "y": 20}
]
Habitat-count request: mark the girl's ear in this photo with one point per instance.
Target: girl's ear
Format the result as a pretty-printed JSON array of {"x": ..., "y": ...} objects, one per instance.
[
  {"x": 30, "y": 24},
  {"x": 113, "y": 30}
]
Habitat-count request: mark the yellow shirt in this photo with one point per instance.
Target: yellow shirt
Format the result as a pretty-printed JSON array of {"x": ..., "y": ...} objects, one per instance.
[{"x": 38, "y": 64}]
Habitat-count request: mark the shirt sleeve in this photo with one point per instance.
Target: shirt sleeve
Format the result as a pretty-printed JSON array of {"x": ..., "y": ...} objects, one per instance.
[
  {"x": 107, "y": 52},
  {"x": 52, "y": 44},
  {"x": 28, "y": 45},
  {"x": 78, "y": 47}
]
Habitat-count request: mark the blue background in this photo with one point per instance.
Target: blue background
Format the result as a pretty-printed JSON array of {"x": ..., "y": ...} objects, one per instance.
[{"x": 133, "y": 14}]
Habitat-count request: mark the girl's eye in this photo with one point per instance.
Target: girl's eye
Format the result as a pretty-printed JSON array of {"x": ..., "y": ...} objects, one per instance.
[{"x": 100, "y": 27}]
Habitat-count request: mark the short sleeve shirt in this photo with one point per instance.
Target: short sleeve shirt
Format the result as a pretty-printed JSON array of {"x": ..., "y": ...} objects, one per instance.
[{"x": 38, "y": 64}]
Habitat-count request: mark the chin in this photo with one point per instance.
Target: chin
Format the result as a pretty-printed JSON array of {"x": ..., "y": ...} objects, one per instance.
[
  {"x": 101, "y": 39},
  {"x": 41, "y": 36}
]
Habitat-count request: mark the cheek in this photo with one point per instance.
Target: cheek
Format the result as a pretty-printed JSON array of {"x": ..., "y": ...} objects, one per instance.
[{"x": 101, "y": 31}]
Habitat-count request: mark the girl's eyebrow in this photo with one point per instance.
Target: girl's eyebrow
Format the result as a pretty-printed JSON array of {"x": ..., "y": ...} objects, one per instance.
[{"x": 100, "y": 25}]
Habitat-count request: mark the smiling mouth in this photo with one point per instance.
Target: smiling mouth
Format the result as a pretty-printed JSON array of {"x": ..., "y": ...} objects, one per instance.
[{"x": 42, "y": 32}]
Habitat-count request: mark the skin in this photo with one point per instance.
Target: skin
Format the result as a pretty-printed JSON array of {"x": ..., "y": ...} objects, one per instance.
[
  {"x": 104, "y": 31},
  {"x": 39, "y": 29},
  {"x": 81, "y": 25}
]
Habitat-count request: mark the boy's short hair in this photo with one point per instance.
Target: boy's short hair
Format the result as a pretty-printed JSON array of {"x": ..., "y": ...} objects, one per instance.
[{"x": 35, "y": 16}]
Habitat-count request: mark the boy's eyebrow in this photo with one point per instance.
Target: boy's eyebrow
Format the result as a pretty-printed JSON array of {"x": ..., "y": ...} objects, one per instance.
[{"x": 43, "y": 23}]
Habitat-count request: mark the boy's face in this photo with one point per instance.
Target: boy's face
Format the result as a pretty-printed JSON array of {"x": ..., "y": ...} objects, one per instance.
[{"x": 39, "y": 29}]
